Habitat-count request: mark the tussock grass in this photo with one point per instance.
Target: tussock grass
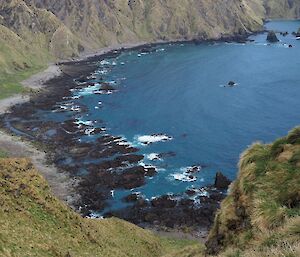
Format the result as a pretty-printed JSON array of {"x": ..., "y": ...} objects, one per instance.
[{"x": 263, "y": 206}]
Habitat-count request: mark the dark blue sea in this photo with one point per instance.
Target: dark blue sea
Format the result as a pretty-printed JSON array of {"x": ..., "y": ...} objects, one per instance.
[{"x": 179, "y": 93}]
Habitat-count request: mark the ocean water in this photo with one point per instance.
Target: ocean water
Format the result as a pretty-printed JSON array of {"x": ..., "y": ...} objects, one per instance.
[{"x": 178, "y": 90}]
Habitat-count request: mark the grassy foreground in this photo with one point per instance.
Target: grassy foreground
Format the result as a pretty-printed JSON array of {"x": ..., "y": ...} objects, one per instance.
[{"x": 34, "y": 223}]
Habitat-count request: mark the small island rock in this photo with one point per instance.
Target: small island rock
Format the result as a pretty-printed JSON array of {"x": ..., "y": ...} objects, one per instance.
[
  {"x": 272, "y": 38},
  {"x": 231, "y": 83}
]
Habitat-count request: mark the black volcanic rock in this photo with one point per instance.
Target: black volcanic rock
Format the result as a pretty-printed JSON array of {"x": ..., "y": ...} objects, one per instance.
[
  {"x": 221, "y": 182},
  {"x": 231, "y": 83},
  {"x": 107, "y": 86},
  {"x": 164, "y": 201},
  {"x": 272, "y": 38}
]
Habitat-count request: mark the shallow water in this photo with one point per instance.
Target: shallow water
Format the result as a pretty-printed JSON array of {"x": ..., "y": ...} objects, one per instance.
[{"x": 178, "y": 90}]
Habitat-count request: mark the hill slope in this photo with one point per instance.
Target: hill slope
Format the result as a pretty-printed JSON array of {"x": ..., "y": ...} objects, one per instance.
[
  {"x": 34, "y": 223},
  {"x": 261, "y": 214},
  {"x": 259, "y": 217}
]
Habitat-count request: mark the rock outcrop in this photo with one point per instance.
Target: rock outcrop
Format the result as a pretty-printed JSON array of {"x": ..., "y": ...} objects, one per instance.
[
  {"x": 263, "y": 205},
  {"x": 272, "y": 38},
  {"x": 221, "y": 182}
]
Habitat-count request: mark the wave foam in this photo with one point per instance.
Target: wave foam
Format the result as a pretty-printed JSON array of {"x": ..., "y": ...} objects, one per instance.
[
  {"x": 155, "y": 138},
  {"x": 184, "y": 177},
  {"x": 153, "y": 157}
]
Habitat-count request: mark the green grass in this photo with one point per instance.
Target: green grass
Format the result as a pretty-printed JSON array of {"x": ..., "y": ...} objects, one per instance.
[
  {"x": 3, "y": 153},
  {"x": 10, "y": 84},
  {"x": 268, "y": 191},
  {"x": 34, "y": 223},
  {"x": 173, "y": 245}
]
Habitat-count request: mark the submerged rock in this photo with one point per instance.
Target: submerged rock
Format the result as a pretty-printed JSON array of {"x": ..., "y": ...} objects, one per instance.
[
  {"x": 272, "y": 38},
  {"x": 106, "y": 86},
  {"x": 284, "y": 34}
]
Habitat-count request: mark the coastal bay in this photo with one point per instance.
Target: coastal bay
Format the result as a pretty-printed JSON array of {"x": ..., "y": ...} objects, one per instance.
[{"x": 148, "y": 172}]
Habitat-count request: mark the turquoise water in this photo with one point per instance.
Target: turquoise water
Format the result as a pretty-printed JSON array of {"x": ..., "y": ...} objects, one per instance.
[{"x": 178, "y": 90}]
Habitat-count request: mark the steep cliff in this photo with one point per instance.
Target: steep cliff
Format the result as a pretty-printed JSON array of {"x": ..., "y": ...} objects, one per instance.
[
  {"x": 59, "y": 26},
  {"x": 284, "y": 9},
  {"x": 261, "y": 214},
  {"x": 34, "y": 32}
]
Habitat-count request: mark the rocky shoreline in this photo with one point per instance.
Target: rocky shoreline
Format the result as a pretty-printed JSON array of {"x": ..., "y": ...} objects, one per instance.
[{"x": 191, "y": 211}]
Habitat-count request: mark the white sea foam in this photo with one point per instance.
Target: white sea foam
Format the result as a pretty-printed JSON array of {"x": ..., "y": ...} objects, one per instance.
[
  {"x": 184, "y": 177},
  {"x": 191, "y": 169},
  {"x": 75, "y": 97},
  {"x": 103, "y": 71},
  {"x": 84, "y": 122},
  {"x": 95, "y": 216},
  {"x": 89, "y": 90},
  {"x": 103, "y": 92},
  {"x": 146, "y": 166},
  {"x": 93, "y": 76},
  {"x": 75, "y": 108},
  {"x": 89, "y": 131},
  {"x": 153, "y": 157},
  {"x": 149, "y": 139},
  {"x": 104, "y": 62},
  {"x": 186, "y": 174},
  {"x": 112, "y": 192}
]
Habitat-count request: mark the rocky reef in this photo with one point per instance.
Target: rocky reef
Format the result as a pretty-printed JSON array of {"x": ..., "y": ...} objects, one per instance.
[{"x": 108, "y": 162}]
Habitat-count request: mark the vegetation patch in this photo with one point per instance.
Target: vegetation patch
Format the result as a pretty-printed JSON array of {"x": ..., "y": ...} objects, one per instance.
[{"x": 263, "y": 205}]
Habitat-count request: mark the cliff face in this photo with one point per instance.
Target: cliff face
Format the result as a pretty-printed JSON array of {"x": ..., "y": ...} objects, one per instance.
[
  {"x": 261, "y": 214},
  {"x": 284, "y": 9},
  {"x": 101, "y": 22},
  {"x": 64, "y": 28},
  {"x": 36, "y": 31}
]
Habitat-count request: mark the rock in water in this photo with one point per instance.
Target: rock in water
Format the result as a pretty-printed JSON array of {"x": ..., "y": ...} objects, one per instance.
[
  {"x": 221, "y": 181},
  {"x": 272, "y": 38},
  {"x": 231, "y": 83}
]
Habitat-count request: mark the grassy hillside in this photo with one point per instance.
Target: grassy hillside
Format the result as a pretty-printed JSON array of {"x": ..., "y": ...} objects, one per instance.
[
  {"x": 34, "y": 223},
  {"x": 29, "y": 39},
  {"x": 35, "y": 32},
  {"x": 261, "y": 215}
]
